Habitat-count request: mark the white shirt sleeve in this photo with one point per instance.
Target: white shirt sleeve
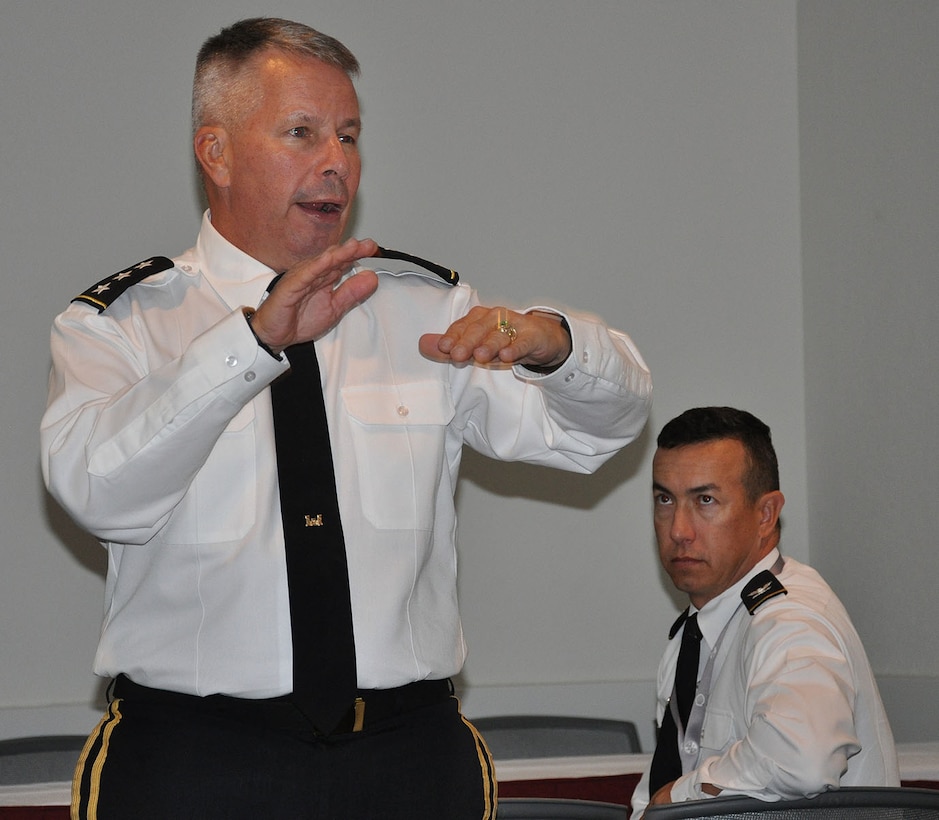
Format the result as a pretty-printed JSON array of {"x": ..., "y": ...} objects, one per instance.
[
  {"x": 799, "y": 709},
  {"x": 574, "y": 418},
  {"x": 121, "y": 443}
]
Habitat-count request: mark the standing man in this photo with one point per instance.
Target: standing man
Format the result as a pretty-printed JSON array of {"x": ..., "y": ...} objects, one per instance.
[
  {"x": 268, "y": 660},
  {"x": 782, "y": 700}
]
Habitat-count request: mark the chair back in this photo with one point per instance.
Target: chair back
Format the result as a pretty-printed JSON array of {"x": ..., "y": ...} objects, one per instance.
[
  {"x": 518, "y": 737},
  {"x": 44, "y": 759}
]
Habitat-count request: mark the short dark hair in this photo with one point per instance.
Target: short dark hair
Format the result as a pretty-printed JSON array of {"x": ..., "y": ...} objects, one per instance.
[
  {"x": 704, "y": 424},
  {"x": 217, "y": 87}
]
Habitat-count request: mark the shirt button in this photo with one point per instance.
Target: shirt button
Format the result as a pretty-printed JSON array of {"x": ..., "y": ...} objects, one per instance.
[
  {"x": 690, "y": 747},
  {"x": 586, "y": 357},
  {"x": 569, "y": 377},
  {"x": 250, "y": 376},
  {"x": 402, "y": 410},
  {"x": 231, "y": 361},
  {"x": 187, "y": 268},
  {"x": 699, "y": 700}
]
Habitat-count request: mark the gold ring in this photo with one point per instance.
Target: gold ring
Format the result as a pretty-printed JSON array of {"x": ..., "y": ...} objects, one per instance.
[{"x": 505, "y": 326}]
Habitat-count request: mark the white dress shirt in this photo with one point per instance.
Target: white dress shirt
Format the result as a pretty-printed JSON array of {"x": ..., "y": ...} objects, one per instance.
[
  {"x": 792, "y": 709},
  {"x": 158, "y": 439}
]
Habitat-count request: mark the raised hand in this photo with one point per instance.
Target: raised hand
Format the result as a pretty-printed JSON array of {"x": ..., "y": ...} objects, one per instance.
[{"x": 307, "y": 303}]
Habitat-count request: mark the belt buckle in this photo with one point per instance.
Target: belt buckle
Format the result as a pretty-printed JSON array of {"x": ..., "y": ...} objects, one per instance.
[{"x": 358, "y": 722}]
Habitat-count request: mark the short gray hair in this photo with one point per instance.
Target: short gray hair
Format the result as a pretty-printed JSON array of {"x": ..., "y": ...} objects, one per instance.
[{"x": 220, "y": 91}]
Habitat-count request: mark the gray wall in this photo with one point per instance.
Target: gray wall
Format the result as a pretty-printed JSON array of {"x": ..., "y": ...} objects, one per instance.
[
  {"x": 869, "y": 111},
  {"x": 636, "y": 158}
]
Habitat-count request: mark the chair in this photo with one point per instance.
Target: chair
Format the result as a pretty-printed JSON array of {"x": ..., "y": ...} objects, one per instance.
[
  {"x": 516, "y": 737},
  {"x": 44, "y": 759},
  {"x": 546, "y": 808},
  {"x": 847, "y": 803}
]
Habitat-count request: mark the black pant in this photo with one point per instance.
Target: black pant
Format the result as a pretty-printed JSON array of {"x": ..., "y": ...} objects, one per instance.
[{"x": 166, "y": 760}]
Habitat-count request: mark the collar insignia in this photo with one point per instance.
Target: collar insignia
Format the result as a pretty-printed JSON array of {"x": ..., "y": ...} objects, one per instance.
[{"x": 760, "y": 588}]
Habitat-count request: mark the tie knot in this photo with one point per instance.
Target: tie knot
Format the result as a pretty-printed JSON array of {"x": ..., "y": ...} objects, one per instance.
[{"x": 692, "y": 631}]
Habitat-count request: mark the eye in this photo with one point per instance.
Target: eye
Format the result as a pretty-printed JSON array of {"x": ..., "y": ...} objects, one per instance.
[
  {"x": 706, "y": 500},
  {"x": 661, "y": 499},
  {"x": 299, "y": 131},
  {"x": 348, "y": 139}
]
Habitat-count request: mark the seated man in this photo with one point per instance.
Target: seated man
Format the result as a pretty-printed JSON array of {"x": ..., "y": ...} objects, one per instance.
[{"x": 779, "y": 700}]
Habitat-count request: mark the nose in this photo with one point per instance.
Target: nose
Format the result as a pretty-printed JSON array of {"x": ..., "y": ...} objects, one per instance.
[
  {"x": 335, "y": 161},
  {"x": 681, "y": 528}
]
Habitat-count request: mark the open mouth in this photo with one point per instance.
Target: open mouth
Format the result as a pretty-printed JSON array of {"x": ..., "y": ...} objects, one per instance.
[{"x": 324, "y": 207}]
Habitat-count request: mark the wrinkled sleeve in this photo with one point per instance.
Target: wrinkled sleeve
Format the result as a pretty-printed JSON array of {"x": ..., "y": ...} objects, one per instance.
[
  {"x": 800, "y": 714},
  {"x": 574, "y": 418},
  {"x": 121, "y": 442}
]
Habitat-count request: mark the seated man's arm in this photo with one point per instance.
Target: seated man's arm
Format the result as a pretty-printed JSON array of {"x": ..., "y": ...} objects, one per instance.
[{"x": 797, "y": 728}]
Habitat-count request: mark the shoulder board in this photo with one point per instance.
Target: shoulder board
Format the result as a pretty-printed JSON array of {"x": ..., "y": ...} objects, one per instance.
[
  {"x": 101, "y": 295},
  {"x": 451, "y": 277},
  {"x": 761, "y": 588},
  {"x": 677, "y": 625}
]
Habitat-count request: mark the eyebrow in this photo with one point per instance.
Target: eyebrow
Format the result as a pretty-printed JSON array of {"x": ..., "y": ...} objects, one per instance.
[
  {"x": 313, "y": 119},
  {"x": 703, "y": 488}
]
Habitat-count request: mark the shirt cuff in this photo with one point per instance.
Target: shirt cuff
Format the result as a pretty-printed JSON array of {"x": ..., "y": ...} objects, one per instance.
[
  {"x": 533, "y": 372},
  {"x": 687, "y": 787}
]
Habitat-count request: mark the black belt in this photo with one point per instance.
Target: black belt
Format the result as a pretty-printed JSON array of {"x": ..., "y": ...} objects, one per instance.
[{"x": 371, "y": 705}]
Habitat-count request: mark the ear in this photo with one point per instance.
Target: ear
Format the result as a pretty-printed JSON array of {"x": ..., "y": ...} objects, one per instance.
[
  {"x": 770, "y": 505},
  {"x": 212, "y": 147}
]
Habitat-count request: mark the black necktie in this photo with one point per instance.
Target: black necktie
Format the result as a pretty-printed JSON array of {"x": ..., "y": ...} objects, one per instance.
[
  {"x": 666, "y": 762},
  {"x": 324, "y": 675}
]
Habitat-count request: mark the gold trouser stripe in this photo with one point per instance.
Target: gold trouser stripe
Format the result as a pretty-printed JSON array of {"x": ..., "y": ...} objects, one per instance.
[
  {"x": 103, "y": 732},
  {"x": 490, "y": 784}
]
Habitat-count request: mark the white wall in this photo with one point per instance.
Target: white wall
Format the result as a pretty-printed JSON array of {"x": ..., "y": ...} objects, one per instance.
[{"x": 636, "y": 158}]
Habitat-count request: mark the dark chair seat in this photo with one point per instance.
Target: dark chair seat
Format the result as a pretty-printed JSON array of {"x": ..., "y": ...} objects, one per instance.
[
  {"x": 533, "y": 808},
  {"x": 848, "y": 803}
]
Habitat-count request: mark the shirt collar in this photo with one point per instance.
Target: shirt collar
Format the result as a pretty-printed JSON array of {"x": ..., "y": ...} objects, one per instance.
[
  {"x": 239, "y": 278},
  {"x": 716, "y": 613},
  {"x": 227, "y": 261}
]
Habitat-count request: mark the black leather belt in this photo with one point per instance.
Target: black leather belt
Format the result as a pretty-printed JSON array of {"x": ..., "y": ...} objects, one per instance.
[{"x": 371, "y": 706}]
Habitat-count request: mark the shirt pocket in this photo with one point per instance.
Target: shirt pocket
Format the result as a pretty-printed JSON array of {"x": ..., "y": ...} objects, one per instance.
[
  {"x": 717, "y": 733},
  {"x": 399, "y": 438},
  {"x": 221, "y": 502}
]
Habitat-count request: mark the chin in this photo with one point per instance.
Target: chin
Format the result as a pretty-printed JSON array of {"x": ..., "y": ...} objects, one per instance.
[{"x": 685, "y": 584}]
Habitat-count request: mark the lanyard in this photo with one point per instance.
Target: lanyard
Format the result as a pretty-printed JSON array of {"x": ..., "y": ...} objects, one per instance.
[{"x": 689, "y": 737}]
